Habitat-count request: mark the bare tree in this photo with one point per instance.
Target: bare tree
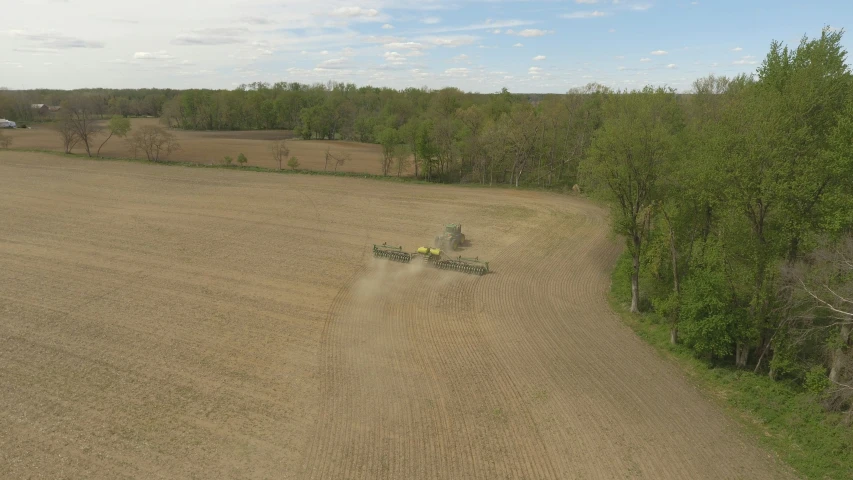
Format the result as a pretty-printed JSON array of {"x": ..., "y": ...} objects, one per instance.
[
  {"x": 156, "y": 142},
  {"x": 65, "y": 128},
  {"x": 81, "y": 113},
  {"x": 828, "y": 286},
  {"x": 337, "y": 159},
  {"x": 280, "y": 151}
]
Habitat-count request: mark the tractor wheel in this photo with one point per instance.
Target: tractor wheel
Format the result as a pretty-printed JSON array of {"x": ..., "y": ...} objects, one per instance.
[{"x": 454, "y": 244}]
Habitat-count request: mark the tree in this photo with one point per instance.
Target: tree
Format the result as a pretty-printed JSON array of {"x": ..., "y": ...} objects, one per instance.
[
  {"x": 154, "y": 141},
  {"x": 118, "y": 126},
  {"x": 66, "y": 129},
  {"x": 781, "y": 153},
  {"x": 280, "y": 151},
  {"x": 628, "y": 155},
  {"x": 81, "y": 113},
  {"x": 228, "y": 160},
  {"x": 389, "y": 139},
  {"x": 402, "y": 159},
  {"x": 826, "y": 281},
  {"x": 242, "y": 160},
  {"x": 293, "y": 163},
  {"x": 337, "y": 159}
]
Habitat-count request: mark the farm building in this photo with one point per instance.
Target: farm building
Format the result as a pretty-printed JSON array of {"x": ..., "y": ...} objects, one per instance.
[
  {"x": 7, "y": 123},
  {"x": 40, "y": 108}
]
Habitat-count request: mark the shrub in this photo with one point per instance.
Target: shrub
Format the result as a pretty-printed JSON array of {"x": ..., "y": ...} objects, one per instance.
[
  {"x": 5, "y": 142},
  {"x": 816, "y": 380},
  {"x": 242, "y": 160},
  {"x": 228, "y": 160},
  {"x": 155, "y": 142},
  {"x": 293, "y": 163}
]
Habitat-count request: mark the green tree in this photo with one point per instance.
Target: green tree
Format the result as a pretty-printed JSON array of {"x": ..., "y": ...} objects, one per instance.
[
  {"x": 293, "y": 163},
  {"x": 632, "y": 150},
  {"x": 118, "y": 126},
  {"x": 242, "y": 160},
  {"x": 389, "y": 139}
]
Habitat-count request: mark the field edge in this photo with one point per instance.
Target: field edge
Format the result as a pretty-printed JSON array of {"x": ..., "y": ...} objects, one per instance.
[
  {"x": 769, "y": 421},
  {"x": 371, "y": 176}
]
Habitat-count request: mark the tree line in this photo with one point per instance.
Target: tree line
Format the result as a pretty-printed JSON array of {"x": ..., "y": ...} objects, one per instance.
[
  {"x": 17, "y": 104},
  {"x": 737, "y": 209}
]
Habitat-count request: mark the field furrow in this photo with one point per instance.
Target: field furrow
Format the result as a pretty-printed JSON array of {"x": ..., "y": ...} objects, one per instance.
[{"x": 170, "y": 322}]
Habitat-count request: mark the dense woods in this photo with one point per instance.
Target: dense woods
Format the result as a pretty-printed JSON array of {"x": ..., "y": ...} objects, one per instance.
[
  {"x": 737, "y": 207},
  {"x": 736, "y": 199}
]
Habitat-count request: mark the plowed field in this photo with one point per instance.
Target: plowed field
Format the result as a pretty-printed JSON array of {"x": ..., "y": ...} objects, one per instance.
[
  {"x": 163, "y": 322},
  {"x": 212, "y": 147}
]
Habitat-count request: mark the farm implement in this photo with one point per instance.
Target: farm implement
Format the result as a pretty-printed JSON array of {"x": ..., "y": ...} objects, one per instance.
[{"x": 433, "y": 257}]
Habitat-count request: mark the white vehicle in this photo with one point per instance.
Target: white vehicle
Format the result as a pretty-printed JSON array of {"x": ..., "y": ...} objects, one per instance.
[{"x": 7, "y": 123}]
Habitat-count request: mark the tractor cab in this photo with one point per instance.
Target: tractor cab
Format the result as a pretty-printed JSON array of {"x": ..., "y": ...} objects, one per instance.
[{"x": 452, "y": 238}]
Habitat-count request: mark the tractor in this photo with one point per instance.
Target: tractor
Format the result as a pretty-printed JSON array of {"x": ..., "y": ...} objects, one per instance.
[{"x": 451, "y": 239}]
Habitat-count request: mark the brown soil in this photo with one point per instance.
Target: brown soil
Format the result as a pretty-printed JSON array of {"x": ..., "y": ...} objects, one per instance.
[
  {"x": 212, "y": 147},
  {"x": 162, "y": 322}
]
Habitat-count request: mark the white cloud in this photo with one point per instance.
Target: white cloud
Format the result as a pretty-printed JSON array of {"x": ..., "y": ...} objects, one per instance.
[
  {"x": 619, "y": 57},
  {"x": 405, "y": 45},
  {"x": 671, "y": 66},
  {"x": 212, "y": 36},
  {"x": 585, "y": 14},
  {"x": 534, "y": 71},
  {"x": 334, "y": 64},
  {"x": 737, "y": 49},
  {"x": 533, "y": 32},
  {"x": 394, "y": 58},
  {"x": 354, "y": 12},
  {"x": 620, "y": 68},
  {"x": 612, "y": 30},
  {"x": 387, "y": 26},
  {"x": 381, "y": 39},
  {"x": 258, "y": 20},
  {"x": 450, "y": 41},
  {"x": 586, "y": 1},
  {"x": 496, "y": 31},
  {"x": 161, "y": 55},
  {"x": 456, "y": 72},
  {"x": 745, "y": 60},
  {"x": 431, "y": 20},
  {"x": 645, "y": 59},
  {"x": 641, "y": 7},
  {"x": 54, "y": 41},
  {"x": 518, "y": 45},
  {"x": 538, "y": 58},
  {"x": 660, "y": 52},
  {"x": 460, "y": 58},
  {"x": 324, "y": 52}
]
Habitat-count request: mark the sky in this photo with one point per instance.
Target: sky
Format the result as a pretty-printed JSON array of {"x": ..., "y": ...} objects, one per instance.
[{"x": 527, "y": 46}]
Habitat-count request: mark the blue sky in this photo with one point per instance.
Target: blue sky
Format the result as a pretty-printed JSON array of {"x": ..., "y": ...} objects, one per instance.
[{"x": 526, "y": 46}]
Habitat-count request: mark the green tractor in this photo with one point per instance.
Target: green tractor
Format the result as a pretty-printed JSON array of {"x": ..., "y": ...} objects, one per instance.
[{"x": 451, "y": 239}]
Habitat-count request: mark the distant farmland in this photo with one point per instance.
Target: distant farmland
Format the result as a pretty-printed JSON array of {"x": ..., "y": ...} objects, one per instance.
[{"x": 212, "y": 147}]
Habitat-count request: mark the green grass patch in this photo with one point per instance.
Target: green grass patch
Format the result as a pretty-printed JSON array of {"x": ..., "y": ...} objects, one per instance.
[{"x": 782, "y": 416}]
